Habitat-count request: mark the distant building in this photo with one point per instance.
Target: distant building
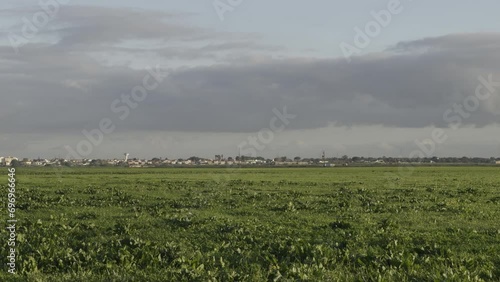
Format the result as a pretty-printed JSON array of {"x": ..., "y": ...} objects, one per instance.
[
  {"x": 8, "y": 160},
  {"x": 39, "y": 162}
]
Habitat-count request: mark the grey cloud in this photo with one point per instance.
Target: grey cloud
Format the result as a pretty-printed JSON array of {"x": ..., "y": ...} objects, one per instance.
[
  {"x": 59, "y": 87},
  {"x": 396, "y": 89}
]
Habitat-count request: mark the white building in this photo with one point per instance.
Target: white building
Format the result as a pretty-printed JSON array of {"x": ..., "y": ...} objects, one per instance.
[
  {"x": 39, "y": 162},
  {"x": 8, "y": 160}
]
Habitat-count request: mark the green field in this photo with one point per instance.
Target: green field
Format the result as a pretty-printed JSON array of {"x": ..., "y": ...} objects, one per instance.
[{"x": 262, "y": 224}]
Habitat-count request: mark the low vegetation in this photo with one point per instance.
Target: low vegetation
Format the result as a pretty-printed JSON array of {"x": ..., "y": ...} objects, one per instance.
[{"x": 260, "y": 224}]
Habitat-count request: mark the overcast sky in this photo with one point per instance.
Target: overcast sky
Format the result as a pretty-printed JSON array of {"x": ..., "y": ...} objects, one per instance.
[{"x": 227, "y": 76}]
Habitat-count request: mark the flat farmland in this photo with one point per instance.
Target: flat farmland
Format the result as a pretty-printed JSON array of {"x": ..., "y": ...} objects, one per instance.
[{"x": 256, "y": 224}]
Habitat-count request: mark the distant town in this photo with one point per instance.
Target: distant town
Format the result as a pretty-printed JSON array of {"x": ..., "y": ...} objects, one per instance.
[{"x": 221, "y": 160}]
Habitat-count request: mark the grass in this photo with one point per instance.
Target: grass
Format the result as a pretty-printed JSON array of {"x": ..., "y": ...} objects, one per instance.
[{"x": 257, "y": 224}]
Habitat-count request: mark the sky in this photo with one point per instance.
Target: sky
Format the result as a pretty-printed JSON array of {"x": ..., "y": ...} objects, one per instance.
[{"x": 173, "y": 79}]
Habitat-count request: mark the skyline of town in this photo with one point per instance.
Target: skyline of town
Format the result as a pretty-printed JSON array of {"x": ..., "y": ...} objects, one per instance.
[{"x": 220, "y": 160}]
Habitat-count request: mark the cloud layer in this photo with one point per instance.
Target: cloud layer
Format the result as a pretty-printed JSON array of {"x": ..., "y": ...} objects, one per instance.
[{"x": 66, "y": 79}]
